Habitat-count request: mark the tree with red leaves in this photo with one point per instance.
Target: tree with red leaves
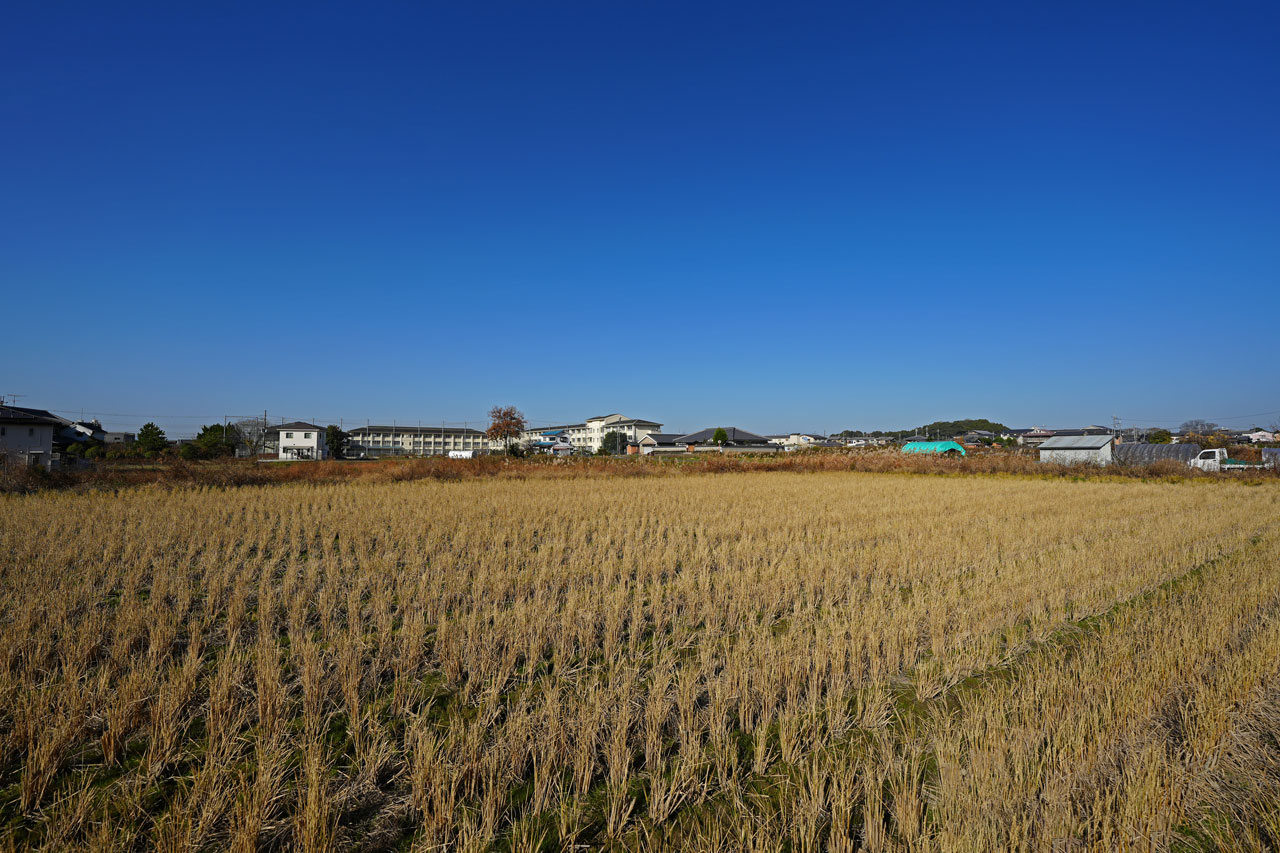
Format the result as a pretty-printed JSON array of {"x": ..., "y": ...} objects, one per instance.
[{"x": 505, "y": 425}]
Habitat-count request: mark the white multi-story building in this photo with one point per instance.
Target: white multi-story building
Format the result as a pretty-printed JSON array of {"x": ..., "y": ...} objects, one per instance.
[
  {"x": 588, "y": 437},
  {"x": 373, "y": 441},
  {"x": 300, "y": 440},
  {"x": 26, "y": 436}
]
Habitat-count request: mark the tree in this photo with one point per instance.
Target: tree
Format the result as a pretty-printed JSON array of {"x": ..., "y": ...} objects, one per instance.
[
  {"x": 253, "y": 435},
  {"x": 613, "y": 443},
  {"x": 1160, "y": 436},
  {"x": 336, "y": 440},
  {"x": 1199, "y": 427},
  {"x": 216, "y": 440},
  {"x": 505, "y": 425},
  {"x": 946, "y": 429},
  {"x": 720, "y": 437},
  {"x": 1215, "y": 439},
  {"x": 151, "y": 439}
]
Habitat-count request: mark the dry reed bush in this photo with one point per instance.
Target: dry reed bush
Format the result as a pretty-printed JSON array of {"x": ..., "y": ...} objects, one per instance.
[
  {"x": 773, "y": 660},
  {"x": 175, "y": 473}
]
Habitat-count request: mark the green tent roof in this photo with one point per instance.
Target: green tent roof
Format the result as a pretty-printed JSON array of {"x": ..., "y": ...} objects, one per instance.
[{"x": 931, "y": 447}]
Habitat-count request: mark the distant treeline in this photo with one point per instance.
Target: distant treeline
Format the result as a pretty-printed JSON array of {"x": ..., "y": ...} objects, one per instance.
[{"x": 943, "y": 429}]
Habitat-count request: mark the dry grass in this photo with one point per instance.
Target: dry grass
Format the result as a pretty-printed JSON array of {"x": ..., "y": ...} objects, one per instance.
[
  {"x": 770, "y": 661},
  {"x": 176, "y": 473}
]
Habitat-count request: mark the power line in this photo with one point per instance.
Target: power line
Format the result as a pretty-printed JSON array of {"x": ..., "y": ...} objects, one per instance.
[{"x": 1213, "y": 418}]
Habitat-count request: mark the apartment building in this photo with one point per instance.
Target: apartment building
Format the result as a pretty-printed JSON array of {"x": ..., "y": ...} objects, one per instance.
[
  {"x": 588, "y": 436},
  {"x": 372, "y": 441}
]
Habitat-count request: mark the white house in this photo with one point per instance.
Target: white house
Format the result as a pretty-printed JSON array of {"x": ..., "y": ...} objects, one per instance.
[
  {"x": 26, "y": 436},
  {"x": 300, "y": 440}
]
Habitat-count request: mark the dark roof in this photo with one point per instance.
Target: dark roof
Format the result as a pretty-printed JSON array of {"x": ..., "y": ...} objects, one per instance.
[
  {"x": 297, "y": 425},
  {"x": 23, "y": 415},
  {"x": 425, "y": 430},
  {"x": 662, "y": 437},
  {"x": 734, "y": 435}
]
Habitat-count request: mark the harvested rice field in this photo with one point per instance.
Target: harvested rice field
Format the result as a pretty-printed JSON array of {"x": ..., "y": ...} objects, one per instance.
[{"x": 755, "y": 661}]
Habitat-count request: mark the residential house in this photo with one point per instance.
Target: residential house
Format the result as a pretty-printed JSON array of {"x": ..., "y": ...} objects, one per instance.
[
  {"x": 301, "y": 440},
  {"x": 867, "y": 441},
  {"x": 657, "y": 443},
  {"x": 736, "y": 441},
  {"x": 26, "y": 436},
  {"x": 1034, "y": 437},
  {"x": 795, "y": 440}
]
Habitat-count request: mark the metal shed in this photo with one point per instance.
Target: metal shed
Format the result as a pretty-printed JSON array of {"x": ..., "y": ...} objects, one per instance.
[
  {"x": 1078, "y": 449},
  {"x": 1145, "y": 454},
  {"x": 933, "y": 447}
]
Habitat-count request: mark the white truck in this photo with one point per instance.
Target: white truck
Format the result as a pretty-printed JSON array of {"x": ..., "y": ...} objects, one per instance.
[{"x": 1216, "y": 459}]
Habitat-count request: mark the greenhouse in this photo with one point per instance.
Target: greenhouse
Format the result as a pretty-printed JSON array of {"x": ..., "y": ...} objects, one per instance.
[{"x": 945, "y": 448}]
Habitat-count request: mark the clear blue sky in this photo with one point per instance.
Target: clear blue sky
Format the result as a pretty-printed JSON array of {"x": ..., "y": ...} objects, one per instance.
[{"x": 775, "y": 216}]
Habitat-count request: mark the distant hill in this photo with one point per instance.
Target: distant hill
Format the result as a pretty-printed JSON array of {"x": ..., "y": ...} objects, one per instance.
[
  {"x": 950, "y": 428},
  {"x": 940, "y": 428}
]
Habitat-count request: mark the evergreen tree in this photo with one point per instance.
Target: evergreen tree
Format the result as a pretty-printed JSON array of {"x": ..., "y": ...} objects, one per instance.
[{"x": 151, "y": 439}]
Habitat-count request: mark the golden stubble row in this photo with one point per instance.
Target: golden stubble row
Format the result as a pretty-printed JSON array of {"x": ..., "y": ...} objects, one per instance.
[{"x": 591, "y": 661}]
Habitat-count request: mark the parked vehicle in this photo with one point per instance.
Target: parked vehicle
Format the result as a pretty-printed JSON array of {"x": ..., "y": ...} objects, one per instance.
[{"x": 1216, "y": 459}]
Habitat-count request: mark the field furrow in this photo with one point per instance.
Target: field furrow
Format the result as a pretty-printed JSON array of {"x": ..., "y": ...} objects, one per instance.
[{"x": 762, "y": 661}]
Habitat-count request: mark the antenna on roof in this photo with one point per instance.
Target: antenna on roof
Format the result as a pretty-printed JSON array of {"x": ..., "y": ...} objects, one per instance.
[{"x": 10, "y": 399}]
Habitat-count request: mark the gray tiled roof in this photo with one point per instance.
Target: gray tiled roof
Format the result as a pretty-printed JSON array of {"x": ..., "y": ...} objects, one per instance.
[
  {"x": 23, "y": 415},
  {"x": 297, "y": 425},
  {"x": 734, "y": 434},
  {"x": 662, "y": 437}
]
